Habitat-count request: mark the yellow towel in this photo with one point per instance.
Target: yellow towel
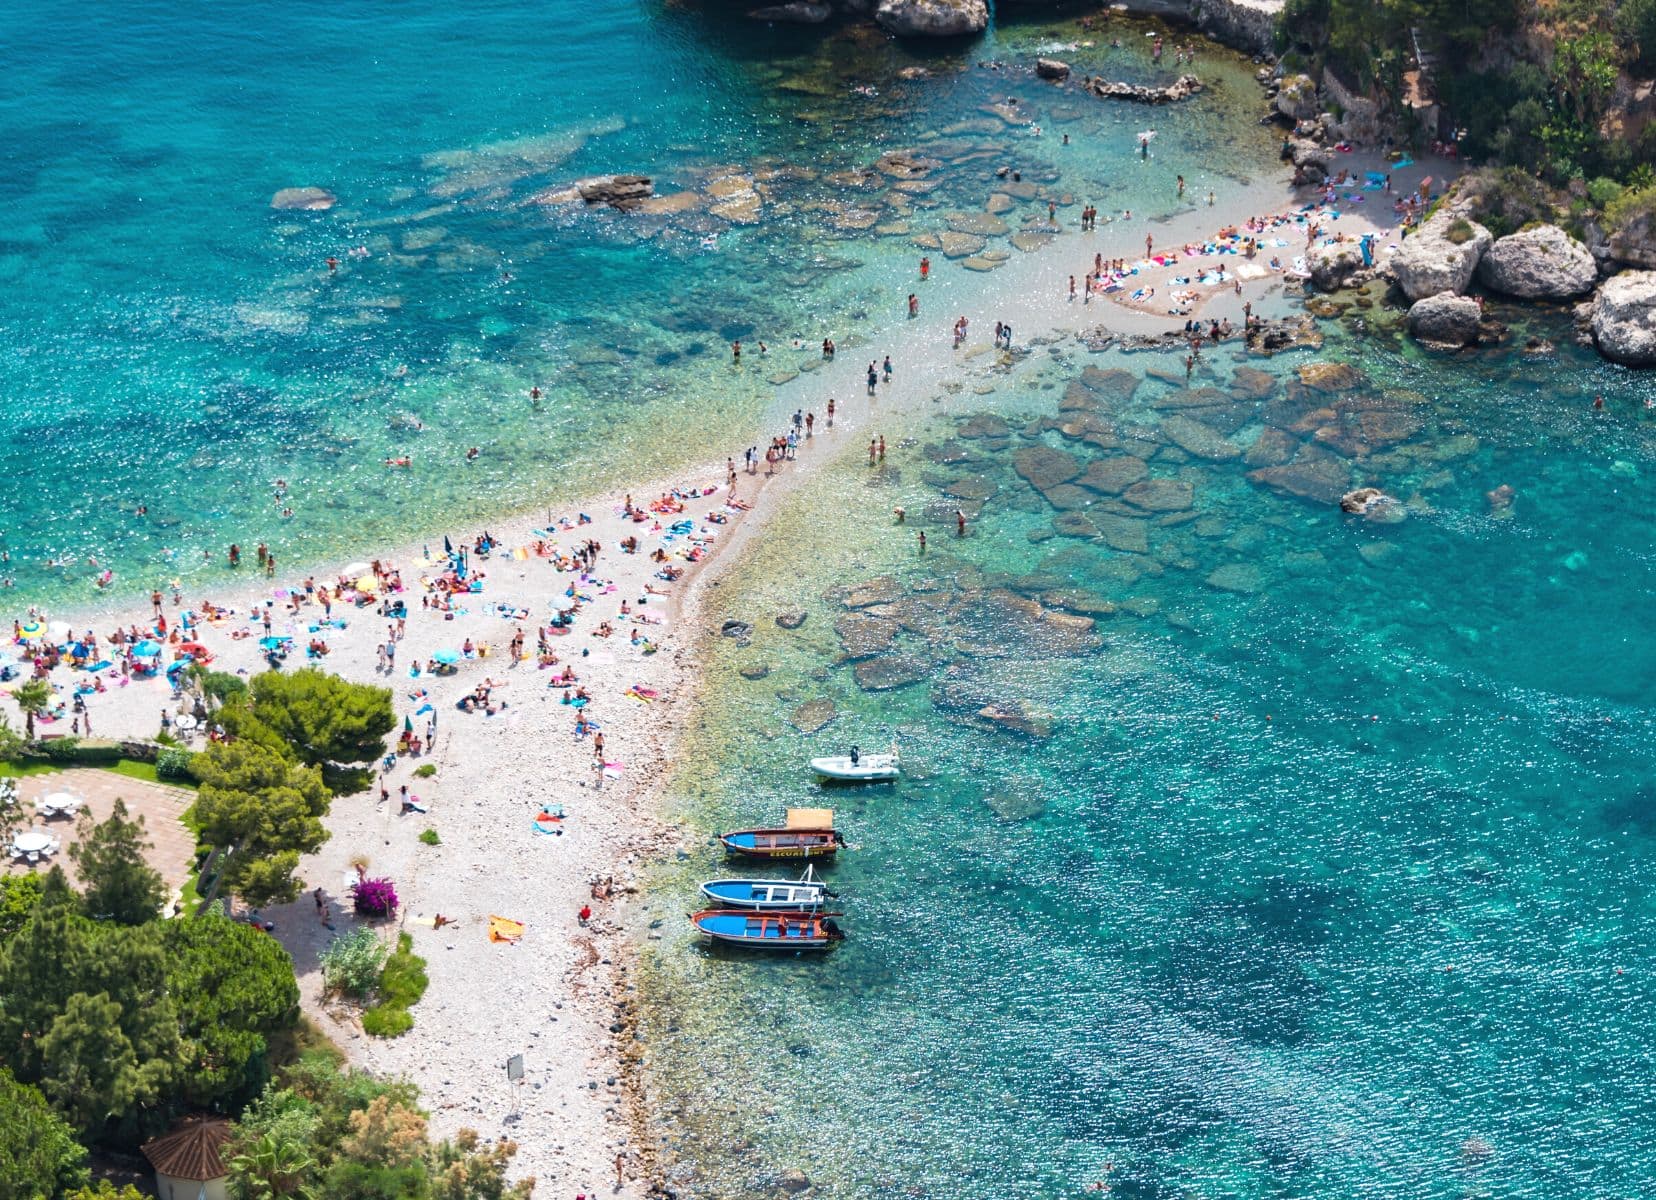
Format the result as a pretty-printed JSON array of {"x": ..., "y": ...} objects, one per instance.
[{"x": 503, "y": 930}]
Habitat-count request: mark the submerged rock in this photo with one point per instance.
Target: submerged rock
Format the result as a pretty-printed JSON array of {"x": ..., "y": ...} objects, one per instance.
[
  {"x": 791, "y": 618},
  {"x": 889, "y": 672},
  {"x": 798, "y": 12},
  {"x": 813, "y": 715},
  {"x": 882, "y": 589},
  {"x": 1043, "y": 467},
  {"x": 1112, "y": 476},
  {"x": 1051, "y": 68},
  {"x": 303, "y": 199},
  {"x": 1245, "y": 578},
  {"x": 1198, "y": 439},
  {"x": 1160, "y": 495}
]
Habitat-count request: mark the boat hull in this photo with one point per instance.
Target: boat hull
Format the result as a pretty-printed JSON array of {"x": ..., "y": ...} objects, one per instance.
[
  {"x": 869, "y": 768},
  {"x": 763, "y": 895},
  {"x": 784, "y": 932},
  {"x": 781, "y": 843}
]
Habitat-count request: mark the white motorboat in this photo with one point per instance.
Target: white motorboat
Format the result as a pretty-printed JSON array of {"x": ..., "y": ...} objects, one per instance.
[
  {"x": 857, "y": 767},
  {"x": 767, "y": 894}
]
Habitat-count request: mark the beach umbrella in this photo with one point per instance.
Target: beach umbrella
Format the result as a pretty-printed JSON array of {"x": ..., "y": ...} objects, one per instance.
[
  {"x": 408, "y": 724},
  {"x": 33, "y": 630},
  {"x": 367, "y": 583},
  {"x": 448, "y": 546},
  {"x": 193, "y": 649},
  {"x": 446, "y": 656},
  {"x": 78, "y": 650},
  {"x": 148, "y": 648},
  {"x": 59, "y": 631},
  {"x": 351, "y": 570}
]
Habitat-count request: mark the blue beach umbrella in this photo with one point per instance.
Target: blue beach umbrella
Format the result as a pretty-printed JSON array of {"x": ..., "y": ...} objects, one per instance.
[
  {"x": 446, "y": 655},
  {"x": 148, "y": 648}
]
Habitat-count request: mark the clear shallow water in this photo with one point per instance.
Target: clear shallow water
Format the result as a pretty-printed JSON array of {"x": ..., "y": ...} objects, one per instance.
[
  {"x": 172, "y": 343},
  {"x": 1332, "y": 876}
]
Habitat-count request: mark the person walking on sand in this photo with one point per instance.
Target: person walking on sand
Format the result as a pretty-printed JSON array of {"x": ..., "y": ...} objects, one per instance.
[
  {"x": 1149, "y": 244},
  {"x": 882, "y": 447},
  {"x": 874, "y": 449},
  {"x": 830, "y": 412},
  {"x": 810, "y": 423},
  {"x": 1072, "y": 289}
]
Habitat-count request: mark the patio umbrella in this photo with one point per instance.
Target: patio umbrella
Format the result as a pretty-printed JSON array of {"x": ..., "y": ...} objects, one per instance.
[
  {"x": 33, "y": 630},
  {"x": 148, "y": 648},
  {"x": 446, "y": 655}
]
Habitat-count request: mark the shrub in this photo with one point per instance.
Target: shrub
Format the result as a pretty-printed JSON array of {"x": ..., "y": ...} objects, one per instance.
[
  {"x": 374, "y": 897},
  {"x": 430, "y": 838},
  {"x": 402, "y": 982},
  {"x": 351, "y": 963},
  {"x": 1459, "y": 231},
  {"x": 387, "y": 1021},
  {"x": 425, "y": 770},
  {"x": 61, "y": 750},
  {"x": 174, "y": 763},
  {"x": 1602, "y": 192}
]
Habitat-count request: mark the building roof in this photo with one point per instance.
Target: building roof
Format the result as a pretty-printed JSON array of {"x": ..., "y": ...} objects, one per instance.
[{"x": 191, "y": 1150}]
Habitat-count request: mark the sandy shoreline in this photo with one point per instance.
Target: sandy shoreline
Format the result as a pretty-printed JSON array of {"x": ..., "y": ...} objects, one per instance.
[{"x": 561, "y": 995}]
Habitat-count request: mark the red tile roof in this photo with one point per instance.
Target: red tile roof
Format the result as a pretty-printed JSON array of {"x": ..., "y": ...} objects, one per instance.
[{"x": 191, "y": 1150}]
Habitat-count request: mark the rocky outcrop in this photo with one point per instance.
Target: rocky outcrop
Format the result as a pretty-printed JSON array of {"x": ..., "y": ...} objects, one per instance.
[
  {"x": 1247, "y": 25},
  {"x": 1296, "y": 98},
  {"x": 625, "y": 192},
  {"x": 1634, "y": 241},
  {"x": 1310, "y": 161},
  {"x": 1182, "y": 88},
  {"x": 1440, "y": 256},
  {"x": 933, "y": 18},
  {"x": 1624, "y": 319},
  {"x": 303, "y": 199},
  {"x": 1337, "y": 265},
  {"x": 799, "y": 12},
  {"x": 1445, "y": 320},
  {"x": 1368, "y": 502},
  {"x": 1051, "y": 68},
  {"x": 1543, "y": 263}
]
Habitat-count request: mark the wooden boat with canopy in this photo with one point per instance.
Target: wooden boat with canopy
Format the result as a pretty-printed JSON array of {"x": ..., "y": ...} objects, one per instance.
[{"x": 809, "y": 833}]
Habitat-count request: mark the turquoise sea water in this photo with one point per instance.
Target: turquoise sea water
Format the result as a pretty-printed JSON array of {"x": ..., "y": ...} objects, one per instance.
[
  {"x": 1327, "y": 870},
  {"x": 174, "y": 344},
  {"x": 1193, "y": 939}
]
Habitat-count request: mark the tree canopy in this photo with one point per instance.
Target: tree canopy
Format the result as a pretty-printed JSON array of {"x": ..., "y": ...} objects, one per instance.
[
  {"x": 39, "y": 1157},
  {"x": 117, "y": 883},
  {"x": 232, "y": 986},
  {"x": 18, "y": 896},
  {"x": 264, "y": 812},
  {"x": 325, "y": 719}
]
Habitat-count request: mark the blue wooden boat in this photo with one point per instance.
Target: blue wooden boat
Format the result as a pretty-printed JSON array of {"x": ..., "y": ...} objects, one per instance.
[
  {"x": 800, "y": 929},
  {"x": 809, "y": 833},
  {"x": 767, "y": 894}
]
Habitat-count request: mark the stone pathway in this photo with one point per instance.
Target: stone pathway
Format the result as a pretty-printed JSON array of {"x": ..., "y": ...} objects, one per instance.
[{"x": 161, "y": 805}]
